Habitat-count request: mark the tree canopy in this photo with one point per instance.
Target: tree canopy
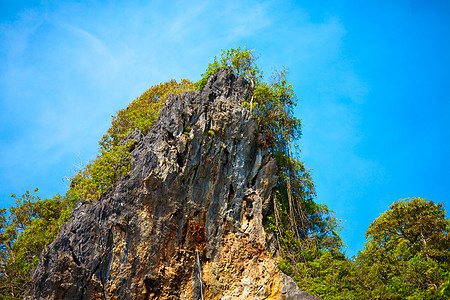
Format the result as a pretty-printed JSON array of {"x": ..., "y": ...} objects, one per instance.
[
  {"x": 407, "y": 255},
  {"x": 25, "y": 230}
]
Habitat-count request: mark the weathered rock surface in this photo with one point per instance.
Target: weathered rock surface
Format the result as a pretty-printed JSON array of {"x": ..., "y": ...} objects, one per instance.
[{"x": 186, "y": 223}]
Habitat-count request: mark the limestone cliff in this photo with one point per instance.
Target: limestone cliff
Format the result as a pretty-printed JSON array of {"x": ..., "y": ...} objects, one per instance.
[{"x": 186, "y": 223}]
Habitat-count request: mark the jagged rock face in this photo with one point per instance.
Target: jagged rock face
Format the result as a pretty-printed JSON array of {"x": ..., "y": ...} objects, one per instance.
[{"x": 186, "y": 223}]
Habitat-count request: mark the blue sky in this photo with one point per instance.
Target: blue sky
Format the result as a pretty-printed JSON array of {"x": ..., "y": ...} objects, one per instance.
[{"x": 372, "y": 78}]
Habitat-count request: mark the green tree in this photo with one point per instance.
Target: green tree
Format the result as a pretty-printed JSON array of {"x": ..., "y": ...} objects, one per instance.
[
  {"x": 406, "y": 257},
  {"x": 407, "y": 254},
  {"x": 25, "y": 230},
  {"x": 330, "y": 276}
]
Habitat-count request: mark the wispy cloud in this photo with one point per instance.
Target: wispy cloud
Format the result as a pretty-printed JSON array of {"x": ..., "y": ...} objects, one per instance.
[{"x": 90, "y": 49}]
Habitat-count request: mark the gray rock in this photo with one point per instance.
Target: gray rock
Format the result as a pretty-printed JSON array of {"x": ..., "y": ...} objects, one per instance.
[{"x": 186, "y": 223}]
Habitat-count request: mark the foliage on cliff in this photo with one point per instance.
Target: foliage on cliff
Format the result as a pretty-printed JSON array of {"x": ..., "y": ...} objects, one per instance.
[
  {"x": 114, "y": 161},
  {"x": 303, "y": 229},
  {"x": 142, "y": 112}
]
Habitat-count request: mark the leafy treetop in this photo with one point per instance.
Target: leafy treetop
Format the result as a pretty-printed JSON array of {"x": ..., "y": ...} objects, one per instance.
[{"x": 407, "y": 255}]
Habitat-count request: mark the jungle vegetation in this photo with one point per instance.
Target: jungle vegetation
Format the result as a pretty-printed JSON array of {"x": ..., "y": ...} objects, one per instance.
[{"x": 406, "y": 255}]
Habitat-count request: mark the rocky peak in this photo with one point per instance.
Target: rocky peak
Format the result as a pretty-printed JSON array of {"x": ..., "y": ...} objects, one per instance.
[{"x": 186, "y": 223}]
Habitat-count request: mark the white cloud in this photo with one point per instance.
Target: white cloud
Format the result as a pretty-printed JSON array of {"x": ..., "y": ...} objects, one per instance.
[{"x": 91, "y": 52}]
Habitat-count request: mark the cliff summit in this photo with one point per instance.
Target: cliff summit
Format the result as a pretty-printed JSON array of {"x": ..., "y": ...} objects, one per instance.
[{"x": 186, "y": 222}]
